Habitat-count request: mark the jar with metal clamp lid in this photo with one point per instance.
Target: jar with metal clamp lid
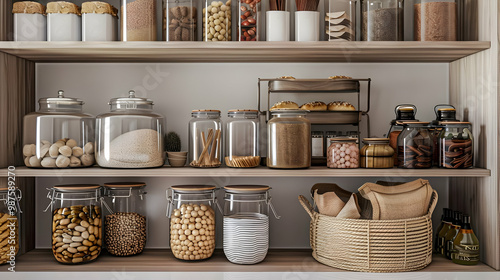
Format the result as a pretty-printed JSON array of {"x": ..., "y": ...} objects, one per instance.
[
  {"x": 456, "y": 145},
  {"x": 414, "y": 145},
  {"x": 10, "y": 222},
  {"x": 404, "y": 112}
]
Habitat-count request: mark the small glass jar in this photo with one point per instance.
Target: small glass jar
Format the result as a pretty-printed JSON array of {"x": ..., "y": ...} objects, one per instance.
[
  {"x": 138, "y": 20},
  {"x": 242, "y": 139},
  {"x": 192, "y": 221},
  {"x": 64, "y": 22},
  {"x": 278, "y": 21},
  {"x": 246, "y": 223},
  {"x": 249, "y": 20},
  {"x": 205, "y": 138},
  {"x": 444, "y": 112},
  {"x": 216, "y": 20},
  {"x": 377, "y": 153},
  {"x": 99, "y": 22},
  {"x": 340, "y": 20},
  {"x": 180, "y": 19},
  {"x": 30, "y": 22},
  {"x": 415, "y": 146},
  {"x": 76, "y": 222},
  {"x": 125, "y": 225},
  {"x": 404, "y": 112},
  {"x": 456, "y": 145},
  {"x": 289, "y": 139},
  {"x": 10, "y": 221},
  {"x": 343, "y": 153},
  {"x": 382, "y": 20},
  {"x": 131, "y": 135},
  {"x": 435, "y": 20},
  {"x": 59, "y": 134}
]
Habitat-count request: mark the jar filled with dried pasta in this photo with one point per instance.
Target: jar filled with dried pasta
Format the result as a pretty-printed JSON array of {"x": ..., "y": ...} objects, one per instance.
[
  {"x": 456, "y": 145},
  {"x": 343, "y": 153},
  {"x": 415, "y": 145},
  {"x": 377, "y": 153},
  {"x": 10, "y": 221},
  {"x": 242, "y": 139}
]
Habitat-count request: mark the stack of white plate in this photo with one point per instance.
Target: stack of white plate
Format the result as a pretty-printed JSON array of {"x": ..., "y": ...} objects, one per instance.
[{"x": 246, "y": 238}]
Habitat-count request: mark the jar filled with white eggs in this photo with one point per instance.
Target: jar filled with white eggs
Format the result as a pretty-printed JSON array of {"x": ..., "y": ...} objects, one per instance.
[
  {"x": 59, "y": 134},
  {"x": 343, "y": 153},
  {"x": 217, "y": 20},
  {"x": 192, "y": 221}
]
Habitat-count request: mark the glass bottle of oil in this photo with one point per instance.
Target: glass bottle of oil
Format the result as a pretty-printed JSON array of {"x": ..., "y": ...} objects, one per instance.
[
  {"x": 443, "y": 231},
  {"x": 444, "y": 218},
  {"x": 465, "y": 245},
  {"x": 451, "y": 234}
]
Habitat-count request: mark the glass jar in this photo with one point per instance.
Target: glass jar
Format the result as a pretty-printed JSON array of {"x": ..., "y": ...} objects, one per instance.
[
  {"x": 125, "y": 225},
  {"x": 205, "y": 138},
  {"x": 340, "y": 20},
  {"x": 64, "y": 22},
  {"x": 382, "y": 20},
  {"x": 404, "y": 112},
  {"x": 377, "y": 153},
  {"x": 76, "y": 222},
  {"x": 435, "y": 20},
  {"x": 415, "y": 146},
  {"x": 59, "y": 134},
  {"x": 30, "y": 22},
  {"x": 444, "y": 112},
  {"x": 131, "y": 135},
  {"x": 343, "y": 153},
  {"x": 10, "y": 221},
  {"x": 456, "y": 145},
  {"x": 180, "y": 20},
  {"x": 216, "y": 20},
  {"x": 249, "y": 20},
  {"x": 99, "y": 22},
  {"x": 278, "y": 21},
  {"x": 246, "y": 223},
  {"x": 242, "y": 138},
  {"x": 138, "y": 20},
  {"x": 192, "y": 221}
]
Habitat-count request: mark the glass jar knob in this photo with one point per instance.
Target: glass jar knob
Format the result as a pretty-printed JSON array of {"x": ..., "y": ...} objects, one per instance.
[
  {"x": 131, "y": 94},
  {"x": 60, "y": 93}
]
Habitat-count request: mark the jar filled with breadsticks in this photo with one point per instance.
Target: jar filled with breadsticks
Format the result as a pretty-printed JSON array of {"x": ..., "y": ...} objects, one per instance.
[
  {"x": 343, "y": 153},
  {"x": 377, "y": 153},
  {"x": 456, "y": 145},
  {"x": 414, "y": 145},
  {"x": 242, "y": 139},
  {"x": 404, "y": 112},
  {"x": 205, "y": 139},
  {"x": 10, "y": 221},
  {"x": 216, "y": 19}
]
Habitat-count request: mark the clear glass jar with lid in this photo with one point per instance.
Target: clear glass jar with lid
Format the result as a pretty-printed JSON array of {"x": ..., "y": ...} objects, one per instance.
[
  {"x": 125, "y": 225},
  {"x": 192, "y": 221},
  {"x": 456, "y": 145},
  {"x": 131, "y": 135},
  {"x": 404, "y": 112},
  {"x": 444, "y": 112},
  {"x": 139, "y": 20},
  {"x": 76, "y": 222},
  {"x": 205, "y": 138},
  {"x": 415, "y": 145},
  {"x": 10, "y": 221},
  {"x": 377, "y": 153},
  {"x": 246, "y": 223},
  {"x": 59, "y": 134},
  {"x": 435, "y": 20},
  {"x": 343, "y": 153},
  {"x": 289, "y": 139},
  {"x": 242, "y": 139}
]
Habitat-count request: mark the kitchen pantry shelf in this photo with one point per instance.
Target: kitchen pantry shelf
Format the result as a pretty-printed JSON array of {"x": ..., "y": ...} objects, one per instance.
[
  {"x": 423, "y": 52},
  {"x": 189, "y": 172}
]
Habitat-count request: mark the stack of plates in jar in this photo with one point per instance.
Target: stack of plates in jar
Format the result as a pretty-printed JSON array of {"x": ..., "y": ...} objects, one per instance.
[{"x": 246, "y": 238}]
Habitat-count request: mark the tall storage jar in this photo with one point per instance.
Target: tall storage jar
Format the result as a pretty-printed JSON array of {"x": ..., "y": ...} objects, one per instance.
[
  {"x": 246, "y": 223},
  {"x": 242, "y": 139},
  {"x": 340, "y": 20},
  {"x": 415, "y": 146},
  {"x": 444, "y": 112},
  {"x": 30, "y": 22},
  {"x": 404, "y": 112},
  {"x": 216, "y": 20},
  {"x": 289, "y": 139},
  {"x": 76, "y": 222},
  {"x": 343, "y": 153},
  {"x": 59, "y": 134},
  {"x": 10, "y": 221},
  {"x": 192, "y": 221},
  {"x": 139, "y": 20},
  {"x": 249, "y": 20},
  {"x": 125, "y": 225},
  {"x": 377, "y": 153},
  {"x": 456, "y": 145},
  {"x": 205, "y": 138},
  {"x": 180, "y": 20},
  {"x": 131, "y": 135},
  {"x": 382, "y": 20},
  {"x": 435, "y": 20},
  {"x": 99, "y": 21},
  {"x": 64, "y": 22}
]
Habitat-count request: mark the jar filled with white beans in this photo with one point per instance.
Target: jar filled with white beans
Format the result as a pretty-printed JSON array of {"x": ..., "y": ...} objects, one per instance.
[
  {"x": 216, "y": 18},
  {"x": 343, "y": 153},
  {"x": 192, "y": 221}
]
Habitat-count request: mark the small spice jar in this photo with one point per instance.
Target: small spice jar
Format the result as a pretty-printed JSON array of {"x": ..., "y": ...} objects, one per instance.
[
  {"x": 180, "y": 20},
  {"x": 249, "y": 20},
  {"x": 377, "y": 153},
  {"x": 205, "y": 138},
  {"x": 99, "y": 21},
  {"x": 242, "y": 139},
  {"x": 64, "y": 22},
  {"x": 435, "y": 20},
  {"x": 216, "y": 20},
  {"x": 404, "y": 112},
  {"x": 125, "y": 225},
  {"x": 415, "y": 145},
  {"x": 10, "y": 221},
  {"x": 192, "y": 221},
  {"x": 343, "y": 153},
  {"x": 382, "y": 20},
  {"x": 456, "y": 145},
  {"x": 340, "y": 20},
  {"x": 138, "y": 20},
  {"x": 30, "y": 22}
]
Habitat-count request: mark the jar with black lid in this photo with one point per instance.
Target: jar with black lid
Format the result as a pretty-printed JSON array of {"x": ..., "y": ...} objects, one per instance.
[
  {"x": 404, "y": 112},
  {"x": 415, "y": 145}
]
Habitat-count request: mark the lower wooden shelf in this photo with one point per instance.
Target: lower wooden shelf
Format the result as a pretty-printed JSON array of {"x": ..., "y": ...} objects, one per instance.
[{"x": 155, "y": 260}]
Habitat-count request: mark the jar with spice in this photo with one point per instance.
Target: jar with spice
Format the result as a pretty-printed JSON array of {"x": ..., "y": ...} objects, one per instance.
[
  {"x": 192, "y": 221},
  {"x": 382, "y": 20},
  {"x": 64, "y": 22},
  {"x": 138, "y": 20},
  {"x": 444, "y": 112},
  {"x": 216, "y": 20},
  {"x": 242, "y": 139},
  {"x": 205, "y": 138},
  {"x": 30, "y": 22},
  {"x": 249, "y": 20},
  {"x": 456, "y": 145},
  {"x": 343, "y": 153},
  {"x": 289, "y": 139},
  {"x": 435, "y": 20},
  {"x": 99, "y": 21},
  {"x": 415, "y": 145},
  {"x": 377, "y": 153},
  {"x": 340, "y": 20},
  {"x": 125, "y": 225},
  {"x": 404, "y": 112},
  {"x": 180, "y": 19},
  {"x": 10, "y": 222}
]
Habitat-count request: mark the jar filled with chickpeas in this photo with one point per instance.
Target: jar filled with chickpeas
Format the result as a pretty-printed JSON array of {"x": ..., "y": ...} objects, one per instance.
[
  {"x": 10, "y": 220},
  {"x": 217, "y": 20},
  {"x": 192, "y": 221}
]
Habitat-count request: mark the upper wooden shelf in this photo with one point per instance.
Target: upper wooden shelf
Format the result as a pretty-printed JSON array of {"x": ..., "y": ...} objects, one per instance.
[
  {"x": 189, "y": 172},
  {"x": 243, "y": 52}
]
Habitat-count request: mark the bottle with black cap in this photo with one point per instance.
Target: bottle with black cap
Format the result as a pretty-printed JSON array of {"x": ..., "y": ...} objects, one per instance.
[
  {"x": 452, "y": 233},
  {"x": 444, "y": 217},
  {"x": 441, "y": 233},
  {"x": 465, "y": 245}
]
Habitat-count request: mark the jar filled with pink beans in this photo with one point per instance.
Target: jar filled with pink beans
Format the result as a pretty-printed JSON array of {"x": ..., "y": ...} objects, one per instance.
[{"x": 343, "y": 153}]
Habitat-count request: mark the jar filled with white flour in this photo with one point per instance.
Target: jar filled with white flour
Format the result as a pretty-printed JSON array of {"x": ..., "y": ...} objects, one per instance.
[
  {"x": 99, "y": 21},
  {"x": 130, "y": 135}
]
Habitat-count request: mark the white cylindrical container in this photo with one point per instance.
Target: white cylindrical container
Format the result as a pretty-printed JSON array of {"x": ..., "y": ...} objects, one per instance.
[
  {"x": 30, "y": 22},
  {"x": 306, "y": 26},
  {"x": 63, "y": 22},
  {"x": 99, "y": 22},
  {"x": 277, "y": 26}
]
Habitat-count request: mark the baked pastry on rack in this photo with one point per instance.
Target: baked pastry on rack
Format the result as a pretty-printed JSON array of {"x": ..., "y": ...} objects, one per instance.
[
  {"x": 285, "y": 105},
  {"x": 314, "y": 106},
  {"x": 340, "y": 106}
]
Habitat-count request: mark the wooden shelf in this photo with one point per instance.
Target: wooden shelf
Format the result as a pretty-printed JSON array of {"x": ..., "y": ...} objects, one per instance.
[
  {"x": 189, "y": 172},
  {"x": 243, "y": 52}
]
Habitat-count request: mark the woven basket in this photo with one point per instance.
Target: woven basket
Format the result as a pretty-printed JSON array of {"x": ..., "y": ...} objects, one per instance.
[{"x": 371, "y": 245}]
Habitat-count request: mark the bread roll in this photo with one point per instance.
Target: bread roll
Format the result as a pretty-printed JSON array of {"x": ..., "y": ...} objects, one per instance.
[
  {"x": 314, "y": 106},
  {"x": 285, "y": 105},
  {"x": 339, "y": 77},
  {"x": 340, "y": 106}
]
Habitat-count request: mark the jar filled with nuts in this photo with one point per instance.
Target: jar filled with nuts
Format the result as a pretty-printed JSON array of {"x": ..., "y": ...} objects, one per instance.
[
  {"x": 192, "y": 221},
  {"x": 217, "y": 20},
  {"x": 343, "y": 153},
  {"x": 10, "y": 221},
  {"x": 76, "y": 222},
  {"x": 249, "y": 22},
  {"x": 59, "y": 134},
  {"x": 415, "y": 145},
  {"x": 125, "y": 225},
  {"x": 180, "y": 20}
]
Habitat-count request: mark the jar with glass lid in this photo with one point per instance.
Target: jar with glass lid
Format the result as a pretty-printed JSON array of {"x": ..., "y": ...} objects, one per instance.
[
  {"x": 10, "y": 221},
  {"x": 192, "y": 221},
  {"x": 289, "y": 139},
  {"x": 444, "y": 112},
  {"x": 242, "y": 139},
  {"x": 435, "y": 20},
  {"x": 343, "y": 153},
  {"x": 125, "y": 224},
  {"x": 131, "y": 135},
  {"x": 456, "y": 145},
  {"x": 76, "y": 222},
  {"x": 205, "y": 138},
  {"x": 415, "y": 145},
  {"x": 404, "y": 112},
  {"x": 377, "y": 153},
  {"x": 59, "y": 134}
]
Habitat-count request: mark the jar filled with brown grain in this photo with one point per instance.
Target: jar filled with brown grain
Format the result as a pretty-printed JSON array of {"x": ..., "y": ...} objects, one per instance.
[
  {"x": 139, "y": 20},
  {"x": 435, "y": 20},
  {"x": 377, "y": 153}
]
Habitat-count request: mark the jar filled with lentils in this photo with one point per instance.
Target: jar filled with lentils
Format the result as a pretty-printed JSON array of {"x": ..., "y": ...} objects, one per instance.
[{"x": 125, "y": 226}]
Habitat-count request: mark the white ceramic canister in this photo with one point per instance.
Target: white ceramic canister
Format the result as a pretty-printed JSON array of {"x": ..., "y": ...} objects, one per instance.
[
  {"x": 99, "y": 21},
  {"x": 277, "y": 26},
  {"x": 64, "y": 22},
  {"x": 307, "y": 26},
  {"x": 30, "y": 22}
]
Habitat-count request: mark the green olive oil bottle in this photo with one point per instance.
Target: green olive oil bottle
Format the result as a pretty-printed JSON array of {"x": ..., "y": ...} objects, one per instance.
[
  {"x": 443, "y": 231},
  {"x": 444, "y": 218},
  {"x": 465, "y": 245},
  {"x": 452, "y": 233}
]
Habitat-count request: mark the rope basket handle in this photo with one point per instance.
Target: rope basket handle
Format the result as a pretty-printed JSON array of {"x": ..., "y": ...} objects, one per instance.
[
  {"x": 307, "y": 206},
  {"x": 434, "y": 201}
]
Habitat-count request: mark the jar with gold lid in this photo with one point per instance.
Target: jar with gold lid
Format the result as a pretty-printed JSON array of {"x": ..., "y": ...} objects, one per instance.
[{"x": 377, "y": 153}]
